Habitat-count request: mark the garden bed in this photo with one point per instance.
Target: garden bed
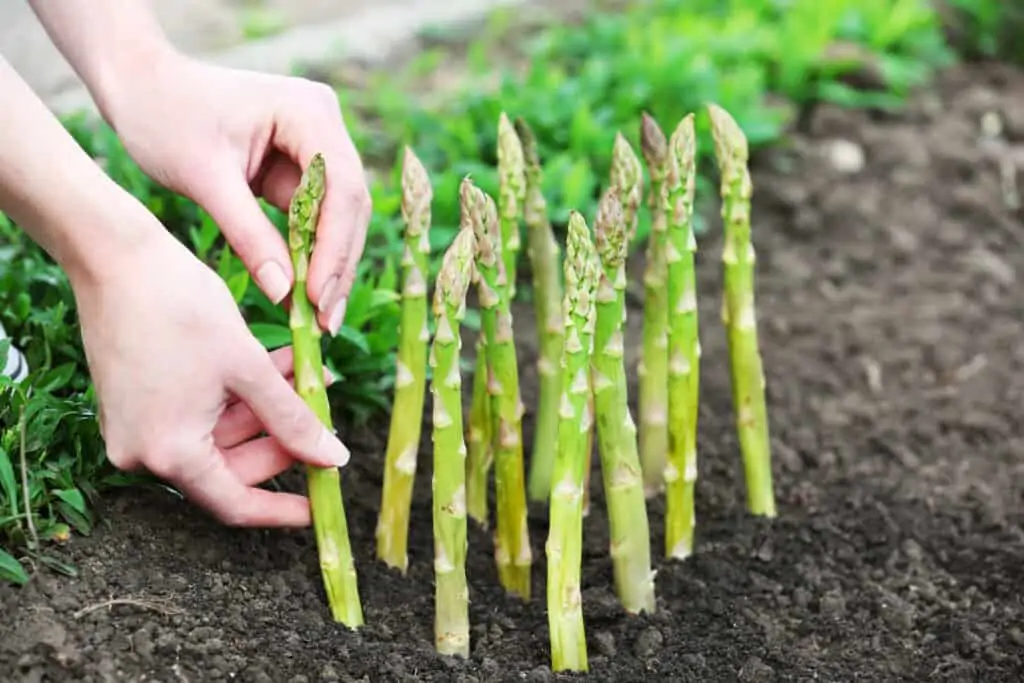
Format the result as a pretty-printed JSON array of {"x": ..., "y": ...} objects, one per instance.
[{"x": 891, "y": 323}]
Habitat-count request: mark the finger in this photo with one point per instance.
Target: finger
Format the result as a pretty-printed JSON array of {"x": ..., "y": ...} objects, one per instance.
[
  {"x": 216, "y": 488},
  {"x": 346, "y": 209},
  {"x": 279, "y": 181},
  {"x": 238, "y": 423},
  {"x": 257, "y": 461},
  {"x": 284, "y": 361},
  {"x": 282, "y": 412},
  {"x": 233, "y": 206}
]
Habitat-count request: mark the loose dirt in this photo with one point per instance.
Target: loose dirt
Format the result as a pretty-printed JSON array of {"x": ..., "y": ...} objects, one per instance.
[{"x": 891, "y": 322}]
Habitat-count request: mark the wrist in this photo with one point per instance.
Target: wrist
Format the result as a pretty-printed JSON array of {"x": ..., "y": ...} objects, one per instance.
[{"x": 107, "y": 231}]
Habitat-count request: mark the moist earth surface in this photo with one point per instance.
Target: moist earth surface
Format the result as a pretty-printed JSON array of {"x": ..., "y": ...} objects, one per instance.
[{"x": 891, "y": 322}]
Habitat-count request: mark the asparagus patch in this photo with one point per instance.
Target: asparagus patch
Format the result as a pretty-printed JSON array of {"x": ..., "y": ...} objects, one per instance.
[
  {"x": 545, "y": 264},
  {"x": 451, "y": 620},
  {"x": 617, "y": 435},
  {"x": 684, "y": 344},
  {"x": 512, "y": 539},
  {"x": 565, "y": 535},
  {"x": 410, "y": 380},
  {"x": 738, "y": 313},
  {"x": 328, "y": 510},
  {"x": 653, "y": 369}
]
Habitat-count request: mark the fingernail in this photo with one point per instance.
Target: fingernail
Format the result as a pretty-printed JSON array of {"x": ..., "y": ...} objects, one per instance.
[
  {"x": 327, "y": 296},
  {"x": 273, "y": 281},
  {"x": 335, "y": 450},
  {"x": 337, "y": 316}
]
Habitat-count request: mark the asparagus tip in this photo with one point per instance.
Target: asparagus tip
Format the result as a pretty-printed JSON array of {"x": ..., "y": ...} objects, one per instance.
[
  {"x": 456, "y": 273},
  {"x": 652, "y": 141},
  {"x": 610, "y": 230},
  {"x": 730, "y": 142},
  {"x": 527, "y": 141},
  {"x": 580, "y": 268},
  {"x": 683, "y": 156}
]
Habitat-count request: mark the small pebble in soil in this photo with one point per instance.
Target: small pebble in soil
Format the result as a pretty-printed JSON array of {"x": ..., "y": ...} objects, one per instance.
[
  {"x": 604, "y": 642},
  {"x": 845, "y": 156},
  {"x": 755, "y": 671},
  {"x": 832, "y": 604},
  {"x": 647, "y": 643},
  {"x": 541, "y": 674}
]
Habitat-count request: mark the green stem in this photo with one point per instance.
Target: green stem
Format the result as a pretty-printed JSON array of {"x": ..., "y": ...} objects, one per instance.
[
  {"x": 512, "y": 539},
  {"x": 545, "y": 264},
  {"x": 653, "y": 369},
  {"x": 410, "y": 381},
  {"x": 684, "y": 345},
  {"x": 451, "y": 617},
  {"x": 328, "y": 510},
  {"x": 738, "y": 312},
  {"x": 565, "y": 531},
  {"x": 481, "y": 455},
  {"x": 616, "y": 431}
]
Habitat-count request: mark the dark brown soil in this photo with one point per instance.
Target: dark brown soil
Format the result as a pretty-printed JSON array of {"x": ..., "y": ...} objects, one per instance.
[{"x": 892, "y": 329}]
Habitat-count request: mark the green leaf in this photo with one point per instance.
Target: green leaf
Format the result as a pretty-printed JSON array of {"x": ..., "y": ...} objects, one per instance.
[
  {"x": 11, "y": 570},
  {"x": 270, "y": 335},
  {"x": 8, "y": 483},
  {"x": 74, "y": 498}
]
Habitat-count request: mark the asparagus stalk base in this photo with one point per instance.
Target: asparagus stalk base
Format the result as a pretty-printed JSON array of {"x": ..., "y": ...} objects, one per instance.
[
  {"x": 451, "y": 620},
  {"x": 481, "y": 453},
  {"x": 565, "y": 533},
  {"x": 330, "y": 526},
  {"x": 653, "y": 369},
  {"x": 617, "y": 435},
  {"x": 739, "y": 315},
  {"x": 410, "y": 381},
  {"x": 684, "y": 346}
]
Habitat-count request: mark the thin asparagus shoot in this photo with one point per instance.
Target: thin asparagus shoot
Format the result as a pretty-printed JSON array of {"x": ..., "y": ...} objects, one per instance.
[
  {"x": 616, "y": 431},
  {"x": 627, "y": 178},
  {"x": 512, "y": 539},
  {"x": 327, "y": 506},
  {"x": 565, "y": 532},
  {"x": 451, "y": 613},
  {"x": 478, "y": 434},
  {"x": 511, "y": 197},
  {"x": 684, "y": 344},
  {"x": 653, "y": 368},
  {"x": 545, "y": 263},
  {"x": 410, "y": 369},
  {"x": 738, "y": 311}
]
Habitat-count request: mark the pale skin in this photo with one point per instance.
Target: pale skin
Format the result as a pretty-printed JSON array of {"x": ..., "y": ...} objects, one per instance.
[{"x": 185, "y": 390}]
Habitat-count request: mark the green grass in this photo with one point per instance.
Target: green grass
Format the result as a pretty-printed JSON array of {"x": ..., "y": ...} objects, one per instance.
[{"x": 764, "y": 60}]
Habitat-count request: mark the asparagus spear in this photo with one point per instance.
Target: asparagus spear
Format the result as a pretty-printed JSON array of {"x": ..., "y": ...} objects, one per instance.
[
  {"x": 565, "y": 532},
  {"x": 511, "y": 196},
  {"x": 410, "y": 382},
  {"x": 616, "y": 431},
  {"x": 628, "y": 181},
  {"x": 684, "y": 344},
  {"x": 481, "y": 455},
  {"x": 512, "y": 189},
  {"x": 328, "y": 508},
  {"x": 451, "y": 615},
  {"x": 512, "y": 540},
  {"x": 738, "y": 311},
  {"x": 653, "y": 369},
  {"x": 543, "y": 251}
]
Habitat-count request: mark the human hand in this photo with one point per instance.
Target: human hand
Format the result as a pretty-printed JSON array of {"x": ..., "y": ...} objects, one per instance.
[
  {"x": 222, "y": 137},
  {"x": 184, "y": 387}
]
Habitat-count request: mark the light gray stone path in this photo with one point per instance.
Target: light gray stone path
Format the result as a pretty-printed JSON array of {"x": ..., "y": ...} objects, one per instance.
[{"x": 308, "y": 32}]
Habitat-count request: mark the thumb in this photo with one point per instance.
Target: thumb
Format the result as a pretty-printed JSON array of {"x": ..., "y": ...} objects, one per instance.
[
  {"x": 231, "y": 203},
  {"x": 259, "y": 384}
]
